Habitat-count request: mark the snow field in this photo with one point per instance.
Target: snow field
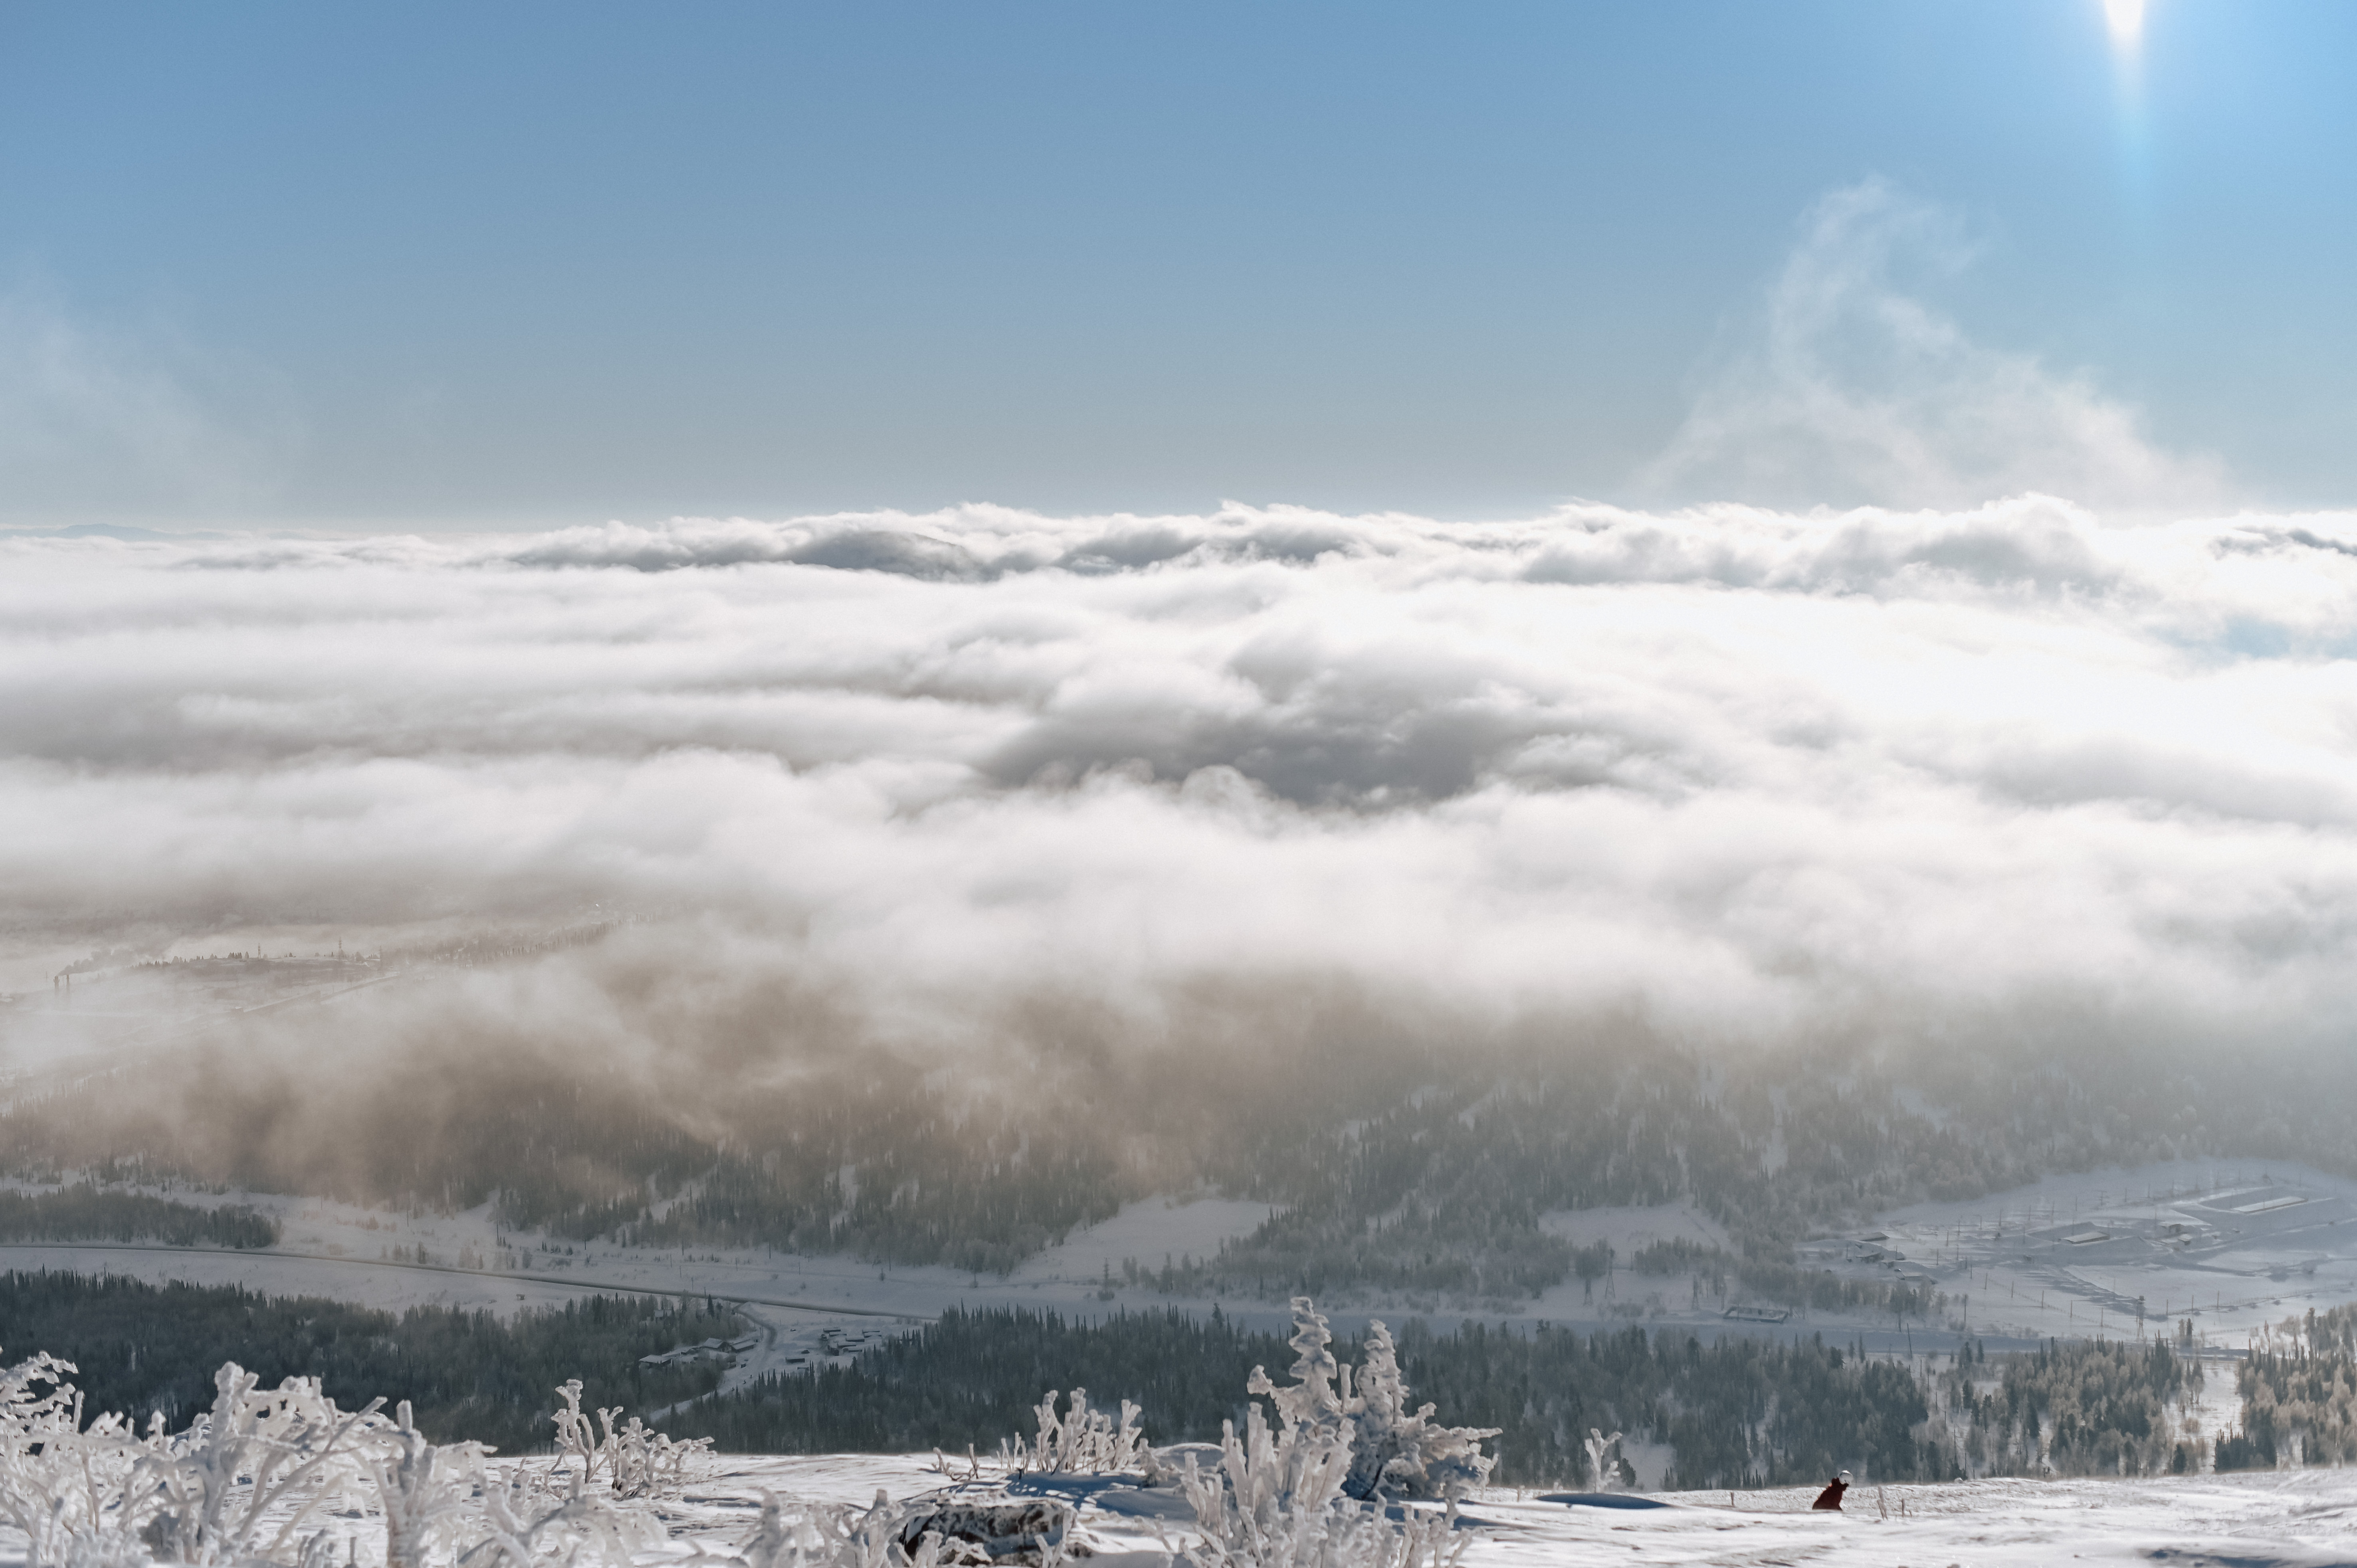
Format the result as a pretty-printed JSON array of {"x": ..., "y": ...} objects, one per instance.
[
  {"x": 2300, "y": 1519},
  {"x": 2231, "y": 1245},
  {"x": 2295, "y": 1520}
]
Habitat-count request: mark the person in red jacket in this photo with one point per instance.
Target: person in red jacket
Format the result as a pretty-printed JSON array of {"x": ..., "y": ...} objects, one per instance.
[{"x": 1831, "y": 1496}]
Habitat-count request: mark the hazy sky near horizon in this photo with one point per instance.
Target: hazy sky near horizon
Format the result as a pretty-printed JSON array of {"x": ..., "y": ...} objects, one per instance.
[{"x": 439, "y": 267}]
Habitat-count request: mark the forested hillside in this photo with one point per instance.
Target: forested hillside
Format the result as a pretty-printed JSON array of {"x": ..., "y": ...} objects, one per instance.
[
  {"x": 142, "y": 1348},
  {"x": 1395, "y": 1160},
  {"x": 1733, "y": 1413},
  {"x": 85, "y": 1213}
]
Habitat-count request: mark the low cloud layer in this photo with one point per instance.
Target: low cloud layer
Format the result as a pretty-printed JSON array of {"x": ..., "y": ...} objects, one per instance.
[{"x": 1738, "y": 770}]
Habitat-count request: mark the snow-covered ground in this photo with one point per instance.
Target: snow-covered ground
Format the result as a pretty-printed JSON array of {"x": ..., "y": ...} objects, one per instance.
[
  {"x": 1152, "y": 1232},
  {"x": 2292, "y": 1519},
  {"x": 2275, "y": 1519},
  {"x": 1625, "y": 1230},
  {"x": 2250, "y": 1521},
  {"x": 2304, "y": 1518},
  {"x": 394, "y": 1260},
  {"x": 2230, "y": 1246}
]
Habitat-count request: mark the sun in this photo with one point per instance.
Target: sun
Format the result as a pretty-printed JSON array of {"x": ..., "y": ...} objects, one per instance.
[{"x": 2125, "y": 18}]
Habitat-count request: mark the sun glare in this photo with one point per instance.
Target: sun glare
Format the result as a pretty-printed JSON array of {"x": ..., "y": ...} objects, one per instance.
[{"x": 2125, "y": 18}]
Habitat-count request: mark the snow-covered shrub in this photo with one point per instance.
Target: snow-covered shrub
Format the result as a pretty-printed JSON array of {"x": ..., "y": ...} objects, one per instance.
[
  {"x": 827, "y": 1535},
  {"x": 429, "y": 1493},
  {"x": 423, "y": 1490},
  {"x": 242, "y": 1482},
  {"x": 1276, "y": 1501},
  {"x": 248, "y": 1482},
  {"x": 515, "y": 1524},
  {"x": 1397, "y": 1452},
  {"x": 1311, "y": 1492},
  {"x": 1394, "y": 1452},
  {"x": 82, "y": 1499},
  {"x": 1600, "y": 1450},
  {"x": 35, "y": 1400},
  {"x": 637, "y": 1461},
  {"x": 1080, "y": 1441}
]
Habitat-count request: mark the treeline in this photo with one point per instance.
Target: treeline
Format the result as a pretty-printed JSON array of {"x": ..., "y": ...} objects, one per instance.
[
  {"x": 1771, "y": 1278},
  {"x": 1447, "y": 1252},
  {"x": 975, "y": 1378},
  {"x": 2299, "y": 1395},
  {"x": 85, "y": 1213},
  {"x": 1736, "y": 1412},
  {"x": 1746, "y": 1412},
  {"x": 2076, "y": 1408},
  {"x": 141, "y": 1349}
]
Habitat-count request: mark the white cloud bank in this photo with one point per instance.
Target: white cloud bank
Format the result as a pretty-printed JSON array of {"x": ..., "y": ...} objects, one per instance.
[{"x": 1749, "y": 771}]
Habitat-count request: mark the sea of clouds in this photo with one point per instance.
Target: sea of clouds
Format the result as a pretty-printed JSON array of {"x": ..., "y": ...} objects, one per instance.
[{"x": 1739, "y": 770}]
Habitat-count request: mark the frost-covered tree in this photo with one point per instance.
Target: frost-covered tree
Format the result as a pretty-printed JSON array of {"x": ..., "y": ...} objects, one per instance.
[
  {"x": 828, "y": 1535},
  {"x": 1394, "y": 1452},
  {"x": 638, "y": 1461},
  {"x": 36, "y": 1402},
  {"x": 244, "y": 1480},
  {"x": 1397, "y": 1452},
  {"x": 1600, "y": 1450},
  {"x": 421, "y": 1488},
  {"x": 517, "y": 1526},
  {"x": 1081, "y": 1441},
  {"x": 77, "y": 1494},
  {"x": 1310, "y": 1491}
]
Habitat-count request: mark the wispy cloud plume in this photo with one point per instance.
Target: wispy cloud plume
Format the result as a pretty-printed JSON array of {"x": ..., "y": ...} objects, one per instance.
[
  {"x": 97, "y": 419},
  {"x": 1851, "y": 388}
]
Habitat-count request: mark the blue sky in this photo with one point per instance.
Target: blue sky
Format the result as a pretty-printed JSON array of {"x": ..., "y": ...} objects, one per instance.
[{"x": 464, "y": 265}]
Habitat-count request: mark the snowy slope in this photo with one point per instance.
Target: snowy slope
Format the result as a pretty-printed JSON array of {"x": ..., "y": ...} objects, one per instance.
[
  {"x": 2299, "y": 1520},
  {"x": 364, "y": 1256}
]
